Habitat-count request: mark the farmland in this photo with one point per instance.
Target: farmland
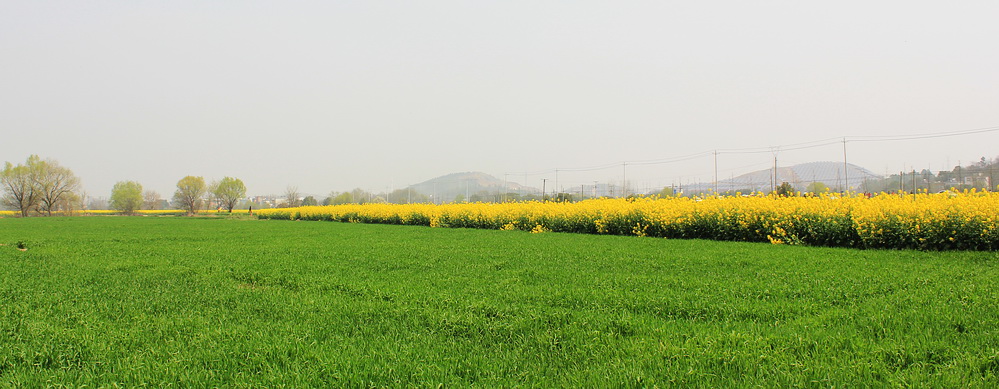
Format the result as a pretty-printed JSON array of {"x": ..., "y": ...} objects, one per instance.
[
  {"x": 175, "y": 301},
  {"x": 945, "y": 221}
]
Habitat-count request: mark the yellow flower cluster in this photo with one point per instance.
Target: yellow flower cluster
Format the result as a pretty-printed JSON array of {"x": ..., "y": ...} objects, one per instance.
[
  {"x": 156, "y": 212},
  {"x": 967, "y": 220}
]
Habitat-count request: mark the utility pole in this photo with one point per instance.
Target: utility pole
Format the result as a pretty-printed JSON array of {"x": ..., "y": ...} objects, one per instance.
[
  {"x": 773, "y": 177},
  {"x": 960, "y": 175},
  {"x": 506, "y": 185},
  {"x": 928, "y": 177},
  {"x": 624, "y": 180},
  {"x": 556, "y": 181},
  {"x": 544, "y": 183},
  {"x": 846, "y": 168},
  {"x": 716, "y": 171},
  {"x": 991, "y": 165}
]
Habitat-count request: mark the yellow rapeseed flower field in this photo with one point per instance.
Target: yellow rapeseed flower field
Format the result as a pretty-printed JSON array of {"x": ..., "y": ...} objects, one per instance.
[
  {"x": 147, "y": 212},
  {"x": 968, "y": 220}
]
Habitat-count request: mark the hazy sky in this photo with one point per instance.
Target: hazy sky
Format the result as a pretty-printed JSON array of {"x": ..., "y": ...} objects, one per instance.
[{"x": 331, "y": 95}]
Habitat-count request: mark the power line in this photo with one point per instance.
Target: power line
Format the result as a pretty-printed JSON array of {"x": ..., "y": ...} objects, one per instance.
[
  {"x": 761, "y": 150},
  {"x": 787, "y": 147},
  {"x": 885, "y": 138}
]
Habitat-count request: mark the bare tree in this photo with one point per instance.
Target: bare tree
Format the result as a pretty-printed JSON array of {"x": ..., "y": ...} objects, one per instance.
[
  {"x": 150, "y": 200},
  {"x": 70, "y": 203},
  {"x": 211, "y": 197},
  {"x": 291, "y": 196}
]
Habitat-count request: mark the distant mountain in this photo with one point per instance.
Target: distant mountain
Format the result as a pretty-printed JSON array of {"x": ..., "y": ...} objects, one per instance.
[
  {"x": 447, "y": 187},
  {"x": 799, "y": 176}
]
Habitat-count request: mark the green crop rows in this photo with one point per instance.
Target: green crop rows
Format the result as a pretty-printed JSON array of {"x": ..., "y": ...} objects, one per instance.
[{"x": 189, "y": 302}]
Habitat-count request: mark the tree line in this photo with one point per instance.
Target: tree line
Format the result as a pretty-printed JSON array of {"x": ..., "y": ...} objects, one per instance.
[{"x": 44, "y": 187}]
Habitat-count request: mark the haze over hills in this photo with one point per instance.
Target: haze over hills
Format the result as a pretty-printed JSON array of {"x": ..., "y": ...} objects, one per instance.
[
  {"x": 799, "y": 176},
  {"x": 447, "y": 187},
  {"x": 469, "y": 184}
]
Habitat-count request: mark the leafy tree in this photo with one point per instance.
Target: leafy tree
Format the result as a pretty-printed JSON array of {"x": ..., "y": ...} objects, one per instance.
[
  {"x": 406, "y": 196},
  {"x": 309, "y": 201},
  {"x": 55, "y": 184},
  {"x": 512, "y": 197},
  {"x": 190, "y": 192},
  {"x": 126, "y": 196},
  {"x": 817, "y": 187},
  {"x": 418, "y": 197},
  {"x": 785, "y": 190},
  {"x": 38, "y": 184},
  {"x": 20, "y": 185},
  {"x": 228, "y": 191},
  {"x": 342, "y": 198},
  {"x": 667, "y": 191}
]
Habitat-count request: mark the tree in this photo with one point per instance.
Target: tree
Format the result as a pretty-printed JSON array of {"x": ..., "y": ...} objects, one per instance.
[
  {"x": 126, "y": 196},
  {"x": 55, "y": 183},
  {"x": 329, "y": 198},
  {"x": 309, "y": 201},
  {"x": 342, "y": 198},
  {"x": 70, "y": 203},
  {"x": 785, "y": 190},
  {"x": 210, "y": 198},
  {"x": 97, "y": 203},
  {"x": 20, "y": 185},
  {"x": 291, "y": 197},
  {"x": 150, "y": 200},
  {"x": 563, "y": 197},
  {"x": 668, "y": 191},
  {"x": 360, "y": 196},
  {"x": 189, "y": 194},
  {"x": 228, "y": 192},
  {"x": 817, "y": 187}
]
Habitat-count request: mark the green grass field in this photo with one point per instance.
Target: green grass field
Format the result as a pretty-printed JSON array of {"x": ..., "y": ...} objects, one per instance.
[{"x": 174, "y": 301}]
